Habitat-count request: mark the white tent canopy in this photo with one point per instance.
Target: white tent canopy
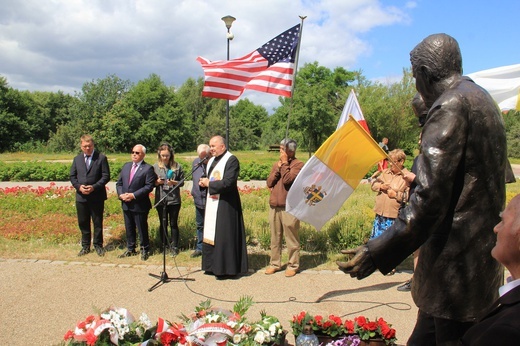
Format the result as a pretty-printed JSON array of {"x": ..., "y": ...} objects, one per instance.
[{"x": 503, "y": 83}]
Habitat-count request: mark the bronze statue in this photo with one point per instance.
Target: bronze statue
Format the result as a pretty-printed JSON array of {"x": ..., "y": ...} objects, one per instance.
[{"x": 459, "y": 195}]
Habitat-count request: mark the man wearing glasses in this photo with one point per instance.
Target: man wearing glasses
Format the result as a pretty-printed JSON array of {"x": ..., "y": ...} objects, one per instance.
[{"x": 136, "y": 181}]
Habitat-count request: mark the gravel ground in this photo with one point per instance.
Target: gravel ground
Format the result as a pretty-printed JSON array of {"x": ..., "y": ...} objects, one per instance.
[{"x": 42, "y": 299}]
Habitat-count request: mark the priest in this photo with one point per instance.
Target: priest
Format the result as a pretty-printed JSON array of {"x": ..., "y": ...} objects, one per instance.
[{"x": 224, "y": 251}]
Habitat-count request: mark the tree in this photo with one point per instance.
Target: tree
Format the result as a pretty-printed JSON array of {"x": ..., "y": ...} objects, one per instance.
[
  {"x": 149, "y": 114},
  {"x": 19, "y": 119},
  {"x": 512, "y": 125},
  {"x": 246, "y": 123},
  {"x": 97, "y": 99},
  {"x": 55, "y": 108},
  {"x": 313, "y": 112},
  {"x": 388, "y": 111}
]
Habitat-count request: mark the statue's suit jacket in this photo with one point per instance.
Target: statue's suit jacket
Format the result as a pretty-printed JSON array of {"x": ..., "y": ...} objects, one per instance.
[{"x": 451, "y": 214}]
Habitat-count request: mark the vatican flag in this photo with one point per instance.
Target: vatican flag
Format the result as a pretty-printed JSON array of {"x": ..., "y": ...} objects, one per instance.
[{"x": 329, "y": 177}]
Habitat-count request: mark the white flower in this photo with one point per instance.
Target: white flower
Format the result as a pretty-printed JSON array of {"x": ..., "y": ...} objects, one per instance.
[
  {"x": 259, "y": 337},
  {"x": 273, "y": 328},
  {"x": 237, "y": 338},
  {"x": 213, "y": 318},
  {"x": 145, "y": 321}
]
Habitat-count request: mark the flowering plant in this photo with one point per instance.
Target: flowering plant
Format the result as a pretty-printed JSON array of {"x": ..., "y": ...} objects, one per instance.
[
  {"x": 349, "y": 340},
  {"x": 367, "y": 329},
  {"x": 114, "y": 326},
  {"x": 333, "y": 326}
]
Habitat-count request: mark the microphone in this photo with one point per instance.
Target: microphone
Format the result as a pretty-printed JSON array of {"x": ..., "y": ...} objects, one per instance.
[{"x": 205, "y": 159}]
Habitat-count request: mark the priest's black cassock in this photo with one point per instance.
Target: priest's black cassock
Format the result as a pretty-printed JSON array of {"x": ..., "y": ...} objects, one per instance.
[{"x": 228, "y": 255}]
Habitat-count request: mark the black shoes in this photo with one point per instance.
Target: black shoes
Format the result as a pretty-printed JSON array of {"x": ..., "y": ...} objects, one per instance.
[
  {"x": 84, "y": 251},
  {"x": 128, "y": 253},
  {"x": 100, "y": 251},
  {"x": 406, "y": 287},
  {"x": 144, "y": 254},
  {"x": 196, "y": 253}
]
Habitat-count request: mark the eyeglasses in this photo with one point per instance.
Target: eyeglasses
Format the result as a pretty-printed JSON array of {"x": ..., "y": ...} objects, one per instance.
[
  {"x": 136, "y": 152},
  {"x": 165, "y": 156}
]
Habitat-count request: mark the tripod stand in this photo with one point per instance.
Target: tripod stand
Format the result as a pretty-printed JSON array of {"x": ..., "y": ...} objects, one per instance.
[{"x": 163, "y": 277}]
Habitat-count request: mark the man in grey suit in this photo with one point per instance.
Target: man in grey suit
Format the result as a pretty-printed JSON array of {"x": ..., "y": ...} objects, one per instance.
[
  {"x": 89, "y": 174},
  {"x": 136, "y": 181}
]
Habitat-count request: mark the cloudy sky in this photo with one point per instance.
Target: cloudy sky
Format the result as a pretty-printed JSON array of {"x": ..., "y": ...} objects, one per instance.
[{"x": 52, "y": 45}]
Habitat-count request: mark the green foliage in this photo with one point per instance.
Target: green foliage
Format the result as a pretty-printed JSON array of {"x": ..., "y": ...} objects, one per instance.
[
  {"x": 388, "y": 112},
  {"x": 512, "y": 123},
  {"x": 45, "y": 171},
  {"x": 313, "y": 110},
  {"x": 34, "y": 171},
  {"x": 254, "y": 171},
  {"x": 49, "y": 215},
  {"x": 247, "y": 121},
  {"x": 119, "y": 114}
]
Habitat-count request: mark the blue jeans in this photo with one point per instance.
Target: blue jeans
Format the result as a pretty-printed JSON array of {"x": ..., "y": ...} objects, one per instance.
[{"x": 199, "y": 219}]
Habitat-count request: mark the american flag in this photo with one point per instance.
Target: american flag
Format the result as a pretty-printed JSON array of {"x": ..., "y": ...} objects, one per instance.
[{"x": 269, "y": 69}]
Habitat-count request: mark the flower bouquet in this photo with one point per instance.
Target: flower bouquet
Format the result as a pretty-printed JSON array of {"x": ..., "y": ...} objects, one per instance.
[
  {"x": 206, "y": 326},
  {"x": 216, "y": 326},
  {"x": 114, "y": 326},
  {"x": 334, "y": 331}
]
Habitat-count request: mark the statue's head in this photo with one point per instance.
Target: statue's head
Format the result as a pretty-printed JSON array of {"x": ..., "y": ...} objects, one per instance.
[{"x": 434, "y": 59}]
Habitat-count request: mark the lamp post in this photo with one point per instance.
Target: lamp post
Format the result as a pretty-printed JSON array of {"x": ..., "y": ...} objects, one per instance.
[{"x": 228, "y": 20}]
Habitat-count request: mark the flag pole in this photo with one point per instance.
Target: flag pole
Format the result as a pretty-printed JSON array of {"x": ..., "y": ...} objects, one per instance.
[{"x": 294, "y": 75}]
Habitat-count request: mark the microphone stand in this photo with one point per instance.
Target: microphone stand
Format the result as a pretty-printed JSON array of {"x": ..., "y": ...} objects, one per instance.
[{"x": 163, "y": 278}]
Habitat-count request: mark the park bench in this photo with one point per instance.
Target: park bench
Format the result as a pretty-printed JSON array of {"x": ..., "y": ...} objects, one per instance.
[{"x": 275, "y": 147}]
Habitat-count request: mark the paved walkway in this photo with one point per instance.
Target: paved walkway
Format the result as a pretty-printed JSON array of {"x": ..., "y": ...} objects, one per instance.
[
  {"x": 187, "y": 186},
  {"x": 42, "y": 299}
]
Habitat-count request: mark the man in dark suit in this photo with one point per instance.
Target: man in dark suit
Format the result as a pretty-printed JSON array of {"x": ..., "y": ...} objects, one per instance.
[
  {"x": 501, "y": 324},
  {"x": 89, "y": 174},
  {"x": 459, "y": 195},
  {"x": 136, "y": 181}
]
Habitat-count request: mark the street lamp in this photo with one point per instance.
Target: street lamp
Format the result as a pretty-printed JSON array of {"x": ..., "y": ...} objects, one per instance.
[{"x": 228, "y": 20}]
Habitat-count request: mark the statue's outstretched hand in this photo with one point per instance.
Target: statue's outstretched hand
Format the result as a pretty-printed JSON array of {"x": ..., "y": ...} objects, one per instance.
[{"x": 360, "y": 266}]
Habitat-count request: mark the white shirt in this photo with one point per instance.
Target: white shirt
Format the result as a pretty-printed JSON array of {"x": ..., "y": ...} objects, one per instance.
[{"x": 508, "y": 287}]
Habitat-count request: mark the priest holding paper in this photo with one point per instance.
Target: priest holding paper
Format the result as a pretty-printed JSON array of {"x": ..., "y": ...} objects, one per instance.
[{"x": 224, "y": 251}]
